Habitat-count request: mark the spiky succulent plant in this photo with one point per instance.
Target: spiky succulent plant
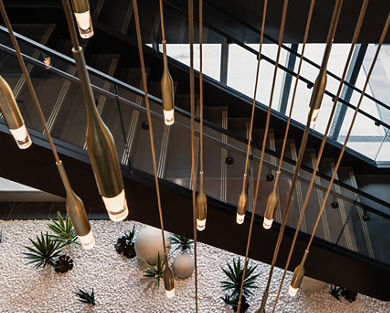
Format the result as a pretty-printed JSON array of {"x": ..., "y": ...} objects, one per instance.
[
  {"x": 44, "y": 251},
  {"x": 86, "y": 297},
  {"x": 181, "y": 242},
  {"x": 155, "y": 272},
  {"x": 63, "y": 231}
]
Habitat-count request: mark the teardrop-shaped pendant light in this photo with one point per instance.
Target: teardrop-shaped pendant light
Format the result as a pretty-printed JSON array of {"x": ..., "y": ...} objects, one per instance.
[
  {"x": 101, "y": 150},
  {"x": 12, "y": 116},
  {"x": 272, "y": 203},
  {"x": 82, "y": 14},
  {"x": 201, "y": 203},
  {"x": 299, "y": 272},
  {"x": 241, "y": 208},
  {"x": 76, "y": 211},
  {"x": 318, "y": 94},
  {"x": 167, "y": 94},
  {"x": 169, "y": 282}
]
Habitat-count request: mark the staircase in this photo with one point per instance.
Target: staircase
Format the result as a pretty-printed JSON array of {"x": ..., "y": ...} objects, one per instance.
[{"x": 343, "y": 235}]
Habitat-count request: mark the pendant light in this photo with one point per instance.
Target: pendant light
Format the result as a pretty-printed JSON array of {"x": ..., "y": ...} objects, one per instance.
[
  {"x": 323, "y": 143},
  {"x": 167, "y": 88},
  {"x": 299, "y": 272},
  {"x": 201, "y": 199},
  {"x": 169, "y": 283},
  {"x": 74, "y": 205},
  {"x": 100, "y": 143},
  {"x": 241, "y": 207},
  {"x": 272, "y": 203},
  {"x": 315, "y": 101},
  {"x": 12, "y": 116},
  {"x": 295, "y": 284},
  {"x": 83, "y": 18}
]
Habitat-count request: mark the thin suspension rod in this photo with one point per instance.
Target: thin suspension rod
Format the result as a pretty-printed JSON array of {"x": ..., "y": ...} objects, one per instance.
[
  {"x": 280, "y": 41},
  {"x": 248, "y": 147},
  {"x": 192, "y": 101},
  {"x": 28, "y": 79},
  {"x": 320, "y": 152},
  {"x": 335, "y": 17},
  {"x": 141, "y": 58},
  {"x": 163, "y": 32},
  {"x": 308, "y": 22},
  {"x": 385, "y": 29},
  {"x": 201, "y": 86}
]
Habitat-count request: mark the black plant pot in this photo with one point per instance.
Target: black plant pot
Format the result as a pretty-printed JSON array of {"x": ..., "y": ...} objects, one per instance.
[{"x": 129, "y": 251}]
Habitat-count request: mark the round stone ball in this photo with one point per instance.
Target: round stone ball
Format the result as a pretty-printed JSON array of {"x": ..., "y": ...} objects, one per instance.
[
  {"x": 148, "y": 244},
  {"x": 183, "y": 266}
]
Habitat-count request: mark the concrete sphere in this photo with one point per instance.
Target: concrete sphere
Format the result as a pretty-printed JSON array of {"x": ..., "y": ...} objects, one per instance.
[
  {"x": 183, "y": 266},
  {"x": 148, "y": 244}
]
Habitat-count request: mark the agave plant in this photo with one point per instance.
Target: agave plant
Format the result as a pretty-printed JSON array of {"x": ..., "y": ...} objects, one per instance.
[
  {"x": 336, "y": 292},
  {"x": 234, "y": 275},
  {"x": 155, "y": 272},
  {"x": 125, "y": 244},
  {"x": 63, "y": 231},
  {"x": 86, "y": 297},
  {"x": 44, "y": 252},
  {"x": 181, "y": 242},
  {"x": 63, "y": 264}
]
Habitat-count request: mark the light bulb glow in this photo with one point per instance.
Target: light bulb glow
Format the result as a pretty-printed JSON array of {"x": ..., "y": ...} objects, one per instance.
[
  {"x": 21, "y": 137},
  {"x": 88, "y": 240},
  {"x": 117, "y": 206},
  {"x": 47, "y": 61},
  {"x": 84, "y": 24},
  {"x": 170, "y": 293},
  {"x": 267, "y": 223},
  {"x": 201, "y": 224},
  {"x": 240, "y": 218},
  {"x": 169, "y": 117},
  {"x": 292, "y": 291},
  {"x": 314, "y": 116}
]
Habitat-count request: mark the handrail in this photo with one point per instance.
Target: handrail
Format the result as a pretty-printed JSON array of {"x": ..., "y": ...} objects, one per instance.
[
  {"x": 309, "y": 83},
  {"x": 296, "y": 54},
  {"x": 179, "y": 110}
]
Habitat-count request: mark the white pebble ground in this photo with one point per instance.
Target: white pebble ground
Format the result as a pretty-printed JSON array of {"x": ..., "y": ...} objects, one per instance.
[{"x": 119, "y": 284}]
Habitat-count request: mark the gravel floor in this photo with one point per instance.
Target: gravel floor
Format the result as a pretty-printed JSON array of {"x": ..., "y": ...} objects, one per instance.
[{"x": 120, "y": 286}]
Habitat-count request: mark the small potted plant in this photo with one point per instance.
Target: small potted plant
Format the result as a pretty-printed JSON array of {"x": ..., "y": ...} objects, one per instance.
[
  {"x": 183, "y": 266},
  {"x": 155, "y": 272},
  {"x": 234, "y": 273}
]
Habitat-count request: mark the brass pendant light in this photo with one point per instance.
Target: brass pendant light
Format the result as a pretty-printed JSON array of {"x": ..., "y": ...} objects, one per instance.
[
  {"x": 74, "y": 205},
  {"x": 299, "y": 272},
  {"x": 272, "y": 203},
  {"x": 241, "y": 206},
  {"x": 201, "y": 199},
  {"x": 83, "y": 18},
  {"x": 295, "y": 284},
  {"x": 12, "y": 116},
  {"x": 100, "y": 143},
  {"x": 167, "y": 88},
  {"x": 318, "y": 93},
  {"x": 169, "y": 283}
]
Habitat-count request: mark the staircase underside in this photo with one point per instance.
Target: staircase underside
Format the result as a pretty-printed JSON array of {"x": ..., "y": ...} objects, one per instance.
[{"x": 35, "y": 167}]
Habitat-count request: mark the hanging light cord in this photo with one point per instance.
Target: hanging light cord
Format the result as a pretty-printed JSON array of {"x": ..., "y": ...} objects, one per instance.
[
  {"x": 385, "y": 29},
  {"x": 201, "y": 87},
  {"x": 163, "y": 32},
  {"x": 142, "y": 62},
  {"x": 30, "y": 87},
  {"x": 294, "y": 94},
  {"x": 334, "y": 20},
  {"x": 248, "y": 147},
  {"x": 192, "y": 101},
  {"x": 354, "y": 40},
  {"x": 281, "y": 33}
]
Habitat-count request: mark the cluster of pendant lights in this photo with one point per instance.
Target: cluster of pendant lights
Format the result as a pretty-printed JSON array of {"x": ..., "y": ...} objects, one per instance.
[{"x": 102, "y": 151}]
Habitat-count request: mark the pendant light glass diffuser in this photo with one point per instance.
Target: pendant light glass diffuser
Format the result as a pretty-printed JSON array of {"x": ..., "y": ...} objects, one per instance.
[
  {"x": 83, "y": 18},
  {"x": 76, "y": 211},
  {"x": 12, "y": 116}
]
